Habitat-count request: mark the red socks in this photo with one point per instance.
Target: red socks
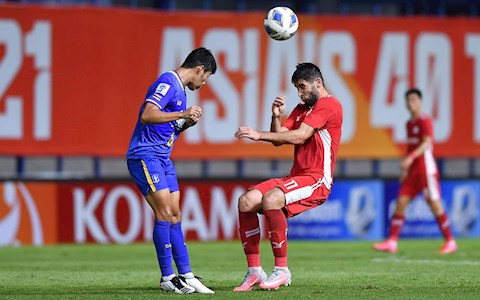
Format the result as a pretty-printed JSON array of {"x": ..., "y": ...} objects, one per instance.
[
  {"x": 444, "y": 226},
  {"x": 277, "y": 223},
  {"x": 250, "y": 236},
  {"x": 396, "y": 224},
  {"x": 442, "y": 220}
]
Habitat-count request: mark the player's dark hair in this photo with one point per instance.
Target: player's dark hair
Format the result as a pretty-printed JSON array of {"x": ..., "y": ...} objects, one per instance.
[
  {"x": 201, "y": 57},
  {"x": 308, "y": 72},
  {"x": 413, "y": 91}
]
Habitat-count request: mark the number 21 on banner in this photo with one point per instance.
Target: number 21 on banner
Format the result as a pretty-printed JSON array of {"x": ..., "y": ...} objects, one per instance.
[{"x": 36, "y": 44}]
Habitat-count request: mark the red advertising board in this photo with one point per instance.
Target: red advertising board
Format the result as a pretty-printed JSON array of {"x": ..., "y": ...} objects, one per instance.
[
  {"x": 28, "y": 213},
  {"x": 110, "y": 212},
  {"x": 73, "y": 79}
]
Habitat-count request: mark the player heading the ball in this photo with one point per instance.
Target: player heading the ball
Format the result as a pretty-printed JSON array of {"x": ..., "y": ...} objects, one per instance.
[
  {"x": 315, "y": 128},
  {"x": 162, "y": 117}
]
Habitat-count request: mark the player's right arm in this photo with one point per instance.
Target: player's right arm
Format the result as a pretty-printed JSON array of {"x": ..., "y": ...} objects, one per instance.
[
  {"x": 153, "y": 115},
  {"x": 155, "y": 103},
  {"x": 278, "y": 107}
]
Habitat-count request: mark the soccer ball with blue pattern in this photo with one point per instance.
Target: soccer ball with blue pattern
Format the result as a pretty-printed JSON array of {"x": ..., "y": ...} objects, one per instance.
[{"x": 281, "y": 23}]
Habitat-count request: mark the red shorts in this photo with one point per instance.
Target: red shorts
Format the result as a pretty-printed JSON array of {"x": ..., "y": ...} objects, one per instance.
[
  {"x": 419, "y": 181},
  {"x": 301, "y": 192}
]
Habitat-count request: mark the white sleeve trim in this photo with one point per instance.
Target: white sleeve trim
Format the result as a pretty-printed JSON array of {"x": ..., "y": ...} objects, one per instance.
[{"x": 153, "y": 102}]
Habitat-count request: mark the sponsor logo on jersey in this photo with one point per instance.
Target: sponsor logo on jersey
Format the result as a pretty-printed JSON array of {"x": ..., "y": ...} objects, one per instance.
[
  {"x": 415, "y": 129},
  {"x": 162, "y": 89}
]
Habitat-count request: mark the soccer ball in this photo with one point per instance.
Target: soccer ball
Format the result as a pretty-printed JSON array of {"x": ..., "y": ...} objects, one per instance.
[{"x": 281, "y": 23}]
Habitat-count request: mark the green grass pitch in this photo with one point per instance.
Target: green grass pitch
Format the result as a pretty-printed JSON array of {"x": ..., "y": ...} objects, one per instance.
[{"x": 321, "y": 270}]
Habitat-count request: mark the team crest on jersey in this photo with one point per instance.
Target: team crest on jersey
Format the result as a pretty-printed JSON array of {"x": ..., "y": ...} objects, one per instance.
[
  {"x": 162, "y": 89},
  {"x": 179, "y": 102},
  {"x": 155, "y": 178}
]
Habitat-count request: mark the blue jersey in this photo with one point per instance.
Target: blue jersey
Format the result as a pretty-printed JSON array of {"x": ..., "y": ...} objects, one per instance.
[{"x": 168, "y": 94}]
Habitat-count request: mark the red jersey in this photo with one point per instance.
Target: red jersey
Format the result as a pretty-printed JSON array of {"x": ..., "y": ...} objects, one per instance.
[
  {"x": 417, "y": 129},
  {"x": 319, "y": 152}
]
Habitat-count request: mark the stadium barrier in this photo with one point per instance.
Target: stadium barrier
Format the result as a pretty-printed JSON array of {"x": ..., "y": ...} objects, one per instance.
[
  {"x": 63, "y": 68},
  {"x": 38, "y": 213}
]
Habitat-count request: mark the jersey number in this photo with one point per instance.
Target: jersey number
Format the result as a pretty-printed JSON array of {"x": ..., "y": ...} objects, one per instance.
[{"x": 291, "y": 184}]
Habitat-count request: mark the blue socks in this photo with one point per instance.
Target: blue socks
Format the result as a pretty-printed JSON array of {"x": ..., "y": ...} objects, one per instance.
[
  {"x": 168, "y": 238},
  {"x": 163, "y": 245},
  {"x": 180, "y": 252}
]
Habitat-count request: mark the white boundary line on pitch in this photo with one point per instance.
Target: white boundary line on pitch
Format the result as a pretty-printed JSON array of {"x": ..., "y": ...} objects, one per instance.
[{"x": 427, "y": 261}]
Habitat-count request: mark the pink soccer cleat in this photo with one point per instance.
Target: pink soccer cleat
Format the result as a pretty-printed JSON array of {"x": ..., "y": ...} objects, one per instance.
[
  {"x": 448, "y": 248},
  {"x": 252, "y": 279},
  {"x": 386, "y": 246},
  {"x": 279, "y": 277}
]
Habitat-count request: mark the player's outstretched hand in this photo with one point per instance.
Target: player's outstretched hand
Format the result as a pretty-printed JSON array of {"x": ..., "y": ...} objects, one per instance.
[
  {"x": 278, "y": 106},
  {"x": 247, "y": 132},
  {"x": 194, "y": 113}
]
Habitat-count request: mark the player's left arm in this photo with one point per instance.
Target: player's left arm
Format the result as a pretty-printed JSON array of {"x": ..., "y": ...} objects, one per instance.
[{"x": 296, "y": 136}]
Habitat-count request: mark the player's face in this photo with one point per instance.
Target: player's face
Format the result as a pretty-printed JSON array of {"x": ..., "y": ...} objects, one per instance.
[
  {"x": 307, "y": 91},
  {"x": 199, "y": 79},
  {"x": 414, "y": 103}
]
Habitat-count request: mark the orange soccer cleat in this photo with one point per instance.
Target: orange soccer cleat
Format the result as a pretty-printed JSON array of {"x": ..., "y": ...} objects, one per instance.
[
  {"x": 448, "y": 247},
  {"x": 252, "y": 279},
  {"x": 386, "y": 246},
  {"x": 279, "y": 277}
]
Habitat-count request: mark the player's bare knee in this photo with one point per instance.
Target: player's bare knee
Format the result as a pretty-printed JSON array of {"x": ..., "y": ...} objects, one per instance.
[
  {"x": 250, "y": 201},
  {"x": 176, "y": 217},
  {"x": 244, "y": 203},
  {"x": 273, "y": 199},
  {"x": 164, "y": 214}
]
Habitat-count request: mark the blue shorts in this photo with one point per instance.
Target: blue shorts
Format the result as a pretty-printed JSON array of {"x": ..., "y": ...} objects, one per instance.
[{"x": 153, "y": 173}]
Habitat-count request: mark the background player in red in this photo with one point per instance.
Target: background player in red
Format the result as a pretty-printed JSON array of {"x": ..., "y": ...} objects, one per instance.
[
  {"x": 419, "y": 174},
  {"x": 314, "y": 127}
]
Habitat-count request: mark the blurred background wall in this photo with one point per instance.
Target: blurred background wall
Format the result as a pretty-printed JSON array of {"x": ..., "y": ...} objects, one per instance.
[{"x": 74, "y": 73}]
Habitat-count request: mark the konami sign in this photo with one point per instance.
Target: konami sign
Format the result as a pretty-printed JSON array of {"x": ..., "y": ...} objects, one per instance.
[{"x": 118, "y": 213}]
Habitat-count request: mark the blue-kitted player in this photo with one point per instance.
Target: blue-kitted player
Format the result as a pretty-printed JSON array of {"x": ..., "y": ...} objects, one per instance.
[{"x": 163, "y": 116}]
